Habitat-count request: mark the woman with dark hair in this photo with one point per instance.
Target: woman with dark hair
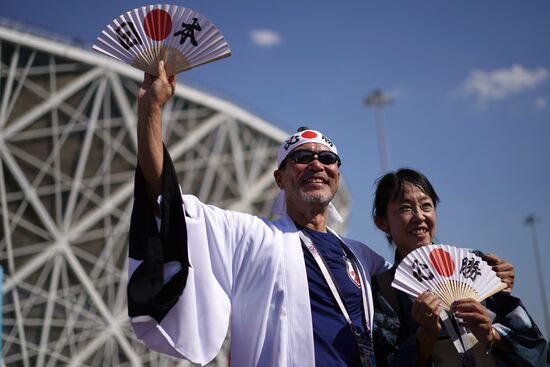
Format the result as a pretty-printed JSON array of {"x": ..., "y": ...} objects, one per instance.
[{"x": 410, "y": 332}]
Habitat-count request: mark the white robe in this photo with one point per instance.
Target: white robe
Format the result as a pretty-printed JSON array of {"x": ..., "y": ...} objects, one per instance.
[{"x": 250, "y": 271}]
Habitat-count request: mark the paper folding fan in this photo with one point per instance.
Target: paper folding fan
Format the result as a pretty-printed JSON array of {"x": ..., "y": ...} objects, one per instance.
[
  {"x": 450, "y": 272},
  {"x": 181, "y": 37}
]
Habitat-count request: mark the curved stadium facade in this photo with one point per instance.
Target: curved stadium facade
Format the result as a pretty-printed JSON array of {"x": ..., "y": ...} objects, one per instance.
[{"x": 67, "y": 159}]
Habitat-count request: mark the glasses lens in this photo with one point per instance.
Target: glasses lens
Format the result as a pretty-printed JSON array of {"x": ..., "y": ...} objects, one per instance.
[
  {"x": 303, "y": 156},
  {"x": 306, "y": 156},
  {"x": 327, "y": 157}
]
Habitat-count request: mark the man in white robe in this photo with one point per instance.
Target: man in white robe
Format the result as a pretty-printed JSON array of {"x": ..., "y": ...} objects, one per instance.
[{"x": 206, "y": 268}]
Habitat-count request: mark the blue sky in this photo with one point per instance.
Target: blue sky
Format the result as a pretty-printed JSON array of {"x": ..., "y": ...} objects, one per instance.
[{"x": 470, "y": 83}]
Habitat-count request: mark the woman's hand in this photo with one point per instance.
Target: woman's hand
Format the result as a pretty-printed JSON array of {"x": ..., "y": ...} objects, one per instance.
[
  {"x": 474, "y": 316},
  {"x": 425, "y": 311},
  {"x": 504, "y": 270}
]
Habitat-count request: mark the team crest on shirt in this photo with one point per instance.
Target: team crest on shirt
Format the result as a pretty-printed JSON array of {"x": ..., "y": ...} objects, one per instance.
[{"x": 352, "y": 274}]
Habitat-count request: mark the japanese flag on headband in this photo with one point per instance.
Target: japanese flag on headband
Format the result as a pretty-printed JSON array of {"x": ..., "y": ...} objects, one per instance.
[
  {"x": 303, "y": 137},
  {"x": 288, "y": 145}
]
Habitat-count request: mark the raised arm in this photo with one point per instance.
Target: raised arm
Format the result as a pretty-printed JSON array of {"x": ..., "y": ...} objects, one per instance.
[{"x": 152, "y": 94}]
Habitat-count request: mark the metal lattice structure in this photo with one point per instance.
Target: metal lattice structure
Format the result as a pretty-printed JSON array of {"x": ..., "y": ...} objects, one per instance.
[{"x": 67, "y": 159}]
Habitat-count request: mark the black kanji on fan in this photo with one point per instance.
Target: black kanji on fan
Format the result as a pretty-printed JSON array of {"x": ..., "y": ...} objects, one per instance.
[
  {"x": 470, "y": 268},
  {"x": 188, "y": 30},
  {"x": 128, "y": 35},
  {"x": 421, "y": 271}
]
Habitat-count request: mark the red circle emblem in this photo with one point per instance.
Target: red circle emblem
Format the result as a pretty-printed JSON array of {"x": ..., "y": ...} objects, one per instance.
[
  {"x": 308, "y": 134},
  {"x": 442, "y": 262},
  {"x": 157, "y": 24}
]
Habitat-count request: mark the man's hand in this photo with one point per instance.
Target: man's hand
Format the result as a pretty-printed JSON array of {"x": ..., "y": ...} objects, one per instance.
[
  {"x": 504, "y": 270},
  {"x": 155, "y": 91}
]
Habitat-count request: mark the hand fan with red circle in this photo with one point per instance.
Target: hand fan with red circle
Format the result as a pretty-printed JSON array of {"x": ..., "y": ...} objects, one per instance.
[
  {"x": 450, "y": 272},
  {"x": 181, "y": 37}
]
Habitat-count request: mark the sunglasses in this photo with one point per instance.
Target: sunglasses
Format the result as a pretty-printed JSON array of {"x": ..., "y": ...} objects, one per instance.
[{"x": 325, "y": 157}]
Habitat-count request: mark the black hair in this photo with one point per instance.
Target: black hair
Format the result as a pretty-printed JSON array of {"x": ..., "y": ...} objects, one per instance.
[{"x": 390, "y": 187}]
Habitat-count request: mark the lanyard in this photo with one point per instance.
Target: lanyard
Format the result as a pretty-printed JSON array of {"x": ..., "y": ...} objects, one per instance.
[
  {"x": 461, "y": 342},
  {"x": 366, "y": 351}
]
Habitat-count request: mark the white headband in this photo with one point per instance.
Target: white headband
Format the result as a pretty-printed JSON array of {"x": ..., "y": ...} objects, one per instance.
[
  {"x": 303, "y": 137},
  {"x": 288, "y": 145}
]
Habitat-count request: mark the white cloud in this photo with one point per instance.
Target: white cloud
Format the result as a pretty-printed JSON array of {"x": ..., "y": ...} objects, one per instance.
[
  {"x": 501, "y": 83},
  {"x": 265, "y": 37},
  {"x": 541, "y": 103}
]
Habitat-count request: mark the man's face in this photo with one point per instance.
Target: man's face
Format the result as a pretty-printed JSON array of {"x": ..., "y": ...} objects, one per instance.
[{"x": 308, "y": 184}]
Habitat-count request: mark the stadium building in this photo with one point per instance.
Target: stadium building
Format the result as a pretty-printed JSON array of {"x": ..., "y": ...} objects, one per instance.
[{"x": 67, "y": 159}]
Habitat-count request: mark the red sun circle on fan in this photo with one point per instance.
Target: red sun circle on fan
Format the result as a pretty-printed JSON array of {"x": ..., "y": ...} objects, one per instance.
[
  {"x": 442, "y": 262},
  {"x": 157, "y": 24},
  {"x": 309, "y": 134}
]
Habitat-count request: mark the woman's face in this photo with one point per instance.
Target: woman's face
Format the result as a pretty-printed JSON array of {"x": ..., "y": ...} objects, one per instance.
[{"x": 410, "y": 220}]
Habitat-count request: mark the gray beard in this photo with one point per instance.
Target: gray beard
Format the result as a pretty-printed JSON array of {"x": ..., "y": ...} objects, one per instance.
[{"x": 321, "y": 200}]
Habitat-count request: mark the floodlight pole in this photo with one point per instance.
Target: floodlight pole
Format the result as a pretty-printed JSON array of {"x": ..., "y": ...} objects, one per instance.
[
  {"x": 377, "y": 100},
  {"x": 531, "y": 221},
  {"x": 1, "y": 308}
]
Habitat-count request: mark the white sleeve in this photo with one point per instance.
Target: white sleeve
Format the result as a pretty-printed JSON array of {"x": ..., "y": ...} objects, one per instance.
[{"x": 196, "y": 326}]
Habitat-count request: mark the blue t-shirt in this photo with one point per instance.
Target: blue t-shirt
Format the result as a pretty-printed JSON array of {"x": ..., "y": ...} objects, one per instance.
[{"x": 335, "y": 344}]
